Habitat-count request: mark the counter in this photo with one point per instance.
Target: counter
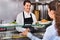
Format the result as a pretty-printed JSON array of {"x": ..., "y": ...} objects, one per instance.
[{"x": 11, "y": 34}]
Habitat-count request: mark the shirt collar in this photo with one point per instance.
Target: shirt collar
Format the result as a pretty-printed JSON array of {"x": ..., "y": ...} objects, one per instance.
[{"x": 27, "y": 13}]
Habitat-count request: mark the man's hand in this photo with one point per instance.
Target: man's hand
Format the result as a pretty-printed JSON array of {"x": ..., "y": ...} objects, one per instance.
[{"x": 25, "y": 32}]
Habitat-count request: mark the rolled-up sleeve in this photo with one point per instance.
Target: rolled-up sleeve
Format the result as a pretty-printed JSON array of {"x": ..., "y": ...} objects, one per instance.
[{"x": 32, "y": 37}]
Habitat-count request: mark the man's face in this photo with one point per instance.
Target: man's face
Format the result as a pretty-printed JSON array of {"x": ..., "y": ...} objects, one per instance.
[{"x": 27, "y": 7}]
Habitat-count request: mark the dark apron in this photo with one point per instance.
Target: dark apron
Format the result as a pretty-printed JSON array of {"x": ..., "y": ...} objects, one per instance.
[{"x": 28, "y": 21}]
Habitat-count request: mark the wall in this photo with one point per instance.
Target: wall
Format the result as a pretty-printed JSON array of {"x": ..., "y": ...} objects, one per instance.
[{"x": 9, "y": 10}]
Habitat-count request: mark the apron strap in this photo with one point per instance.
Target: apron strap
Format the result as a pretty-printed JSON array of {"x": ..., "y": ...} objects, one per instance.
[{"x": 24, "y": 17}]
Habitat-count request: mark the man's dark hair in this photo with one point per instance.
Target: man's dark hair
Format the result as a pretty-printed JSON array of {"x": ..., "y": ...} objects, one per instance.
[
  {"x": 52, "y": 5},
  {"x": 26, "y": 2}
]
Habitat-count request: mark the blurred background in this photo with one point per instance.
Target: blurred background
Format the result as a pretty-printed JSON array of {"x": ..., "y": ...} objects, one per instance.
[{"x": 10, "y": 8}]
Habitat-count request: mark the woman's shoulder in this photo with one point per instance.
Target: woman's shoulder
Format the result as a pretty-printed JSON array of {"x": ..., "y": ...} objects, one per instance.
[{"x": 51, "y": 28}]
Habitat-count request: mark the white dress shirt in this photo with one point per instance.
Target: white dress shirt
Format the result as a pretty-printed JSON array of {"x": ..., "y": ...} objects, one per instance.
[
  {"x": 50, "y": 34},
  {"x": 20, "y": 20}
]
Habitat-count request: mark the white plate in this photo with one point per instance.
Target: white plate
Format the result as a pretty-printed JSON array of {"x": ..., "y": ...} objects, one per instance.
[{"x": 44, "y": 22}]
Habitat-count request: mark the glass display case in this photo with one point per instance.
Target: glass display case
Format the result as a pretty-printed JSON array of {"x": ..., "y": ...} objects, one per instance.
[{"x": 9, "y": 32}]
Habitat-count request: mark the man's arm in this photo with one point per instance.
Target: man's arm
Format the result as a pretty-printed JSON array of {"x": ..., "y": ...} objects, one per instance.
[
  {"x": 19, "y": 19},
  {"x": 34, "y": 18}
]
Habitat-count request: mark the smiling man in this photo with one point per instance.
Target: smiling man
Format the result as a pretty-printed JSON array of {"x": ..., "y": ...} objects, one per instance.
[{"x": 26, "y": 17}]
